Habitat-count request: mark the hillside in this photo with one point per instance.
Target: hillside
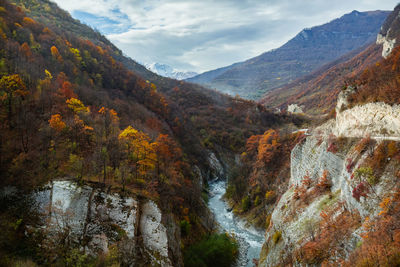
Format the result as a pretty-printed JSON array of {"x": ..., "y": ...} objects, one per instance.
[
  {"x": 307, "y": 51},
  {"x": 317, "y": 92},
  {"x": 104, "y": 163},
  {"x": 90, "y": 139},
  {"x": 341, "y": 204}
]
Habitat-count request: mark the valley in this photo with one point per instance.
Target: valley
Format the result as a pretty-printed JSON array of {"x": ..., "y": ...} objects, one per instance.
[{"x": 291, "y": 158}]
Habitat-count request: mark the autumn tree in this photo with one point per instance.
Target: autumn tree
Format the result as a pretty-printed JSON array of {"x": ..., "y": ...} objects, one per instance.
[
  {"x": 167, "y": 153},
  {"x": 140, "y": 151},
  {"x": 26, "y": 51},
  {"x": 77, "y": 106},
  {"x": 56, "y": 54},
  {"x": 12, "y": 87},
  {"x": 57, "y": 123}
]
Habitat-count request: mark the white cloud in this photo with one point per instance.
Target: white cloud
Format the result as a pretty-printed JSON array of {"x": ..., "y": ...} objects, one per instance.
[{"x": 207, "y": 34}]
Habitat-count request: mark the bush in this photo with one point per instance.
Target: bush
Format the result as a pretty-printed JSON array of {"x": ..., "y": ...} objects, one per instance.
[
  {"x": 185, "y": 227},
  {"x": 245, "y": 203},
  {"x": 277, "y": 237},
  {"x": 215, "y": 250},
  {"x": 267, "y": 221},
  {"x": 204, "y": 196},
  {"x": 257, "y": 201},
  {"x": 366, "y": 173},
  {"x": 270, "y": 196},
  {"x": 363, "y": 145}
]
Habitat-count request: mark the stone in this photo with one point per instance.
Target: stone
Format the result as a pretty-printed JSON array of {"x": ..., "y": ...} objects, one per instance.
[
  {"x": 387, "y": 44},
  {"x": 104, "y": 219},
  {"x": 294, "y": 109},
  {"x": 378, "y": 120}
]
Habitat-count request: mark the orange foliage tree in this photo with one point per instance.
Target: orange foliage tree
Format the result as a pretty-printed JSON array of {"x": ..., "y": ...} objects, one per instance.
[
  {"x": 57, "y": 123},
  {"x": 56, "y": 54}
]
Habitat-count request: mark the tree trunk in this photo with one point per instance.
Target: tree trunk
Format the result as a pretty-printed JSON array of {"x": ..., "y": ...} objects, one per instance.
[{"x": 104, "y": 171}]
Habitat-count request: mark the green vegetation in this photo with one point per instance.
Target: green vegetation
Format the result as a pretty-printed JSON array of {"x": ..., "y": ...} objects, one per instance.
[
  {"x": 366, "y": 173},
  {"x": 277, "y": 237},
  {"x": 185, "y": 227},
  {"x": 245, "y": 203},
  {"x": 72, "y": 106},
  {"x": 215, "y": 250}
]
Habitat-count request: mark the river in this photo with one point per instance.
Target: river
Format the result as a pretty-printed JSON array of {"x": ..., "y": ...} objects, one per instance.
[{"x": 250, "y": 240}]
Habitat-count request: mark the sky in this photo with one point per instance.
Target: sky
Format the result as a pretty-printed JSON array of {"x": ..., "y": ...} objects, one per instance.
[{"x": 201, "y": 35}]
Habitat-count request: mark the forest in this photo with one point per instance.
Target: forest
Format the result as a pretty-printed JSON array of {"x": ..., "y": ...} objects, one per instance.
[
  {"x": 74, "y": 108},
  {"x": 70, "y": 109}
]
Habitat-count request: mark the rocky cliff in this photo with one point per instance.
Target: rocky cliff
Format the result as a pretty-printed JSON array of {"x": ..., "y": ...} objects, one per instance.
[
  {"x": 334, "y": 183},
  {"x": 389, "y": 32},
  {"x": 97, "y": 221}
]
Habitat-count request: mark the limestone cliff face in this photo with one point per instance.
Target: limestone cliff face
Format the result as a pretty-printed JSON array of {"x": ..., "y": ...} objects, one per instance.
[
  {"x": 387, "y": 44},
  {"x": 389, "y": 32},
  {"x": 294, "y": 221},
  {"x": 378, "y": 120},
  {"x": 96, "y": 220}
]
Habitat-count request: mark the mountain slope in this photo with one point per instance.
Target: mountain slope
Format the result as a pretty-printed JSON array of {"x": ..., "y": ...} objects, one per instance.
[
  {"x": 75, "y": 111},
  {"x": 317, "y": 91},
  {"x": 342, "y": 202},
  {"x": 307, "y": 51}
]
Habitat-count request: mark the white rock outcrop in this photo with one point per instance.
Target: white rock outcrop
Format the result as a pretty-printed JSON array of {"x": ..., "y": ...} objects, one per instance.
[
  {"x": 294, "y": 109},
  {"x": 104, "y": 219},
  {"x": 296, "y": 220},
  {"x": 379, "y": 120},
  {"x": 216, "y": 166},
  {"x": 311, "y": 159},
  {"x": 154, "y": 233},
  {"x": 387, "y": 44}
]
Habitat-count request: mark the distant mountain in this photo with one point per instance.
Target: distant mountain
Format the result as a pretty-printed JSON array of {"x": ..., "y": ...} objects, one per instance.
[
  {"x": 306, "y": 52},
  {"x": 317, "y": 91},
  {"x": 169, "y": 72}
]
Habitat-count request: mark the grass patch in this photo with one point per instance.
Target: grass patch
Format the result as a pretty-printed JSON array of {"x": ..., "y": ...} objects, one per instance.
[{"x": 329, "y": 200}]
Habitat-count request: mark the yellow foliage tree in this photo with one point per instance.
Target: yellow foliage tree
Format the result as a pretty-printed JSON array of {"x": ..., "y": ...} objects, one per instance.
[
  {"x": 12, "y": 86},
  {"x": 76, "y": 53},
  {"x": 140, "y": 150},
  {"x": 77, "y": 106}
]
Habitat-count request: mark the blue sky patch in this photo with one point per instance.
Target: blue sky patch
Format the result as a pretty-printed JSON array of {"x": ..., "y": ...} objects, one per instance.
[{"x": 103, "y": 24}]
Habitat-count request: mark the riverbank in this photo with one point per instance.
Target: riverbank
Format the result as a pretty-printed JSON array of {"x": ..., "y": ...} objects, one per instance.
[{"x": 250, "y": 240}]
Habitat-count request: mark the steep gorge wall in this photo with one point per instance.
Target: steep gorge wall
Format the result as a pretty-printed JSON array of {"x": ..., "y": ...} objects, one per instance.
[
  {"x": 97, "y": 220},
  {"x": 378, "y": 120},
  {"x": 295, "y": 220}
]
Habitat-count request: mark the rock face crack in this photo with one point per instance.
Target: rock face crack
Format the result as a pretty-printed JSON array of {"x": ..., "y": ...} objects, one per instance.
[{"x": 88, "y": 217}]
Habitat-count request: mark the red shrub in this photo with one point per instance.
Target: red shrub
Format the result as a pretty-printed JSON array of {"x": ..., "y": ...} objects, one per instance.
[
  {"x": 350, "y": 165},
  {"x": 361, "y": 190}
]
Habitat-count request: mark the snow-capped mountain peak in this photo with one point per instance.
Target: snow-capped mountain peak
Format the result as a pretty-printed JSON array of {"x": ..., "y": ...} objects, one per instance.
[{"x": 168, "y": 71}]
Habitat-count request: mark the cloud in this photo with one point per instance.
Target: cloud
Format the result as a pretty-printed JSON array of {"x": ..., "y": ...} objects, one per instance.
[{"x": 202, "y": 35}]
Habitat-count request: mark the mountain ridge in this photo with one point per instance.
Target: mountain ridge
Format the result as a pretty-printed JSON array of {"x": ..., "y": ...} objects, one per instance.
[{"x": 308, "y": 50}]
